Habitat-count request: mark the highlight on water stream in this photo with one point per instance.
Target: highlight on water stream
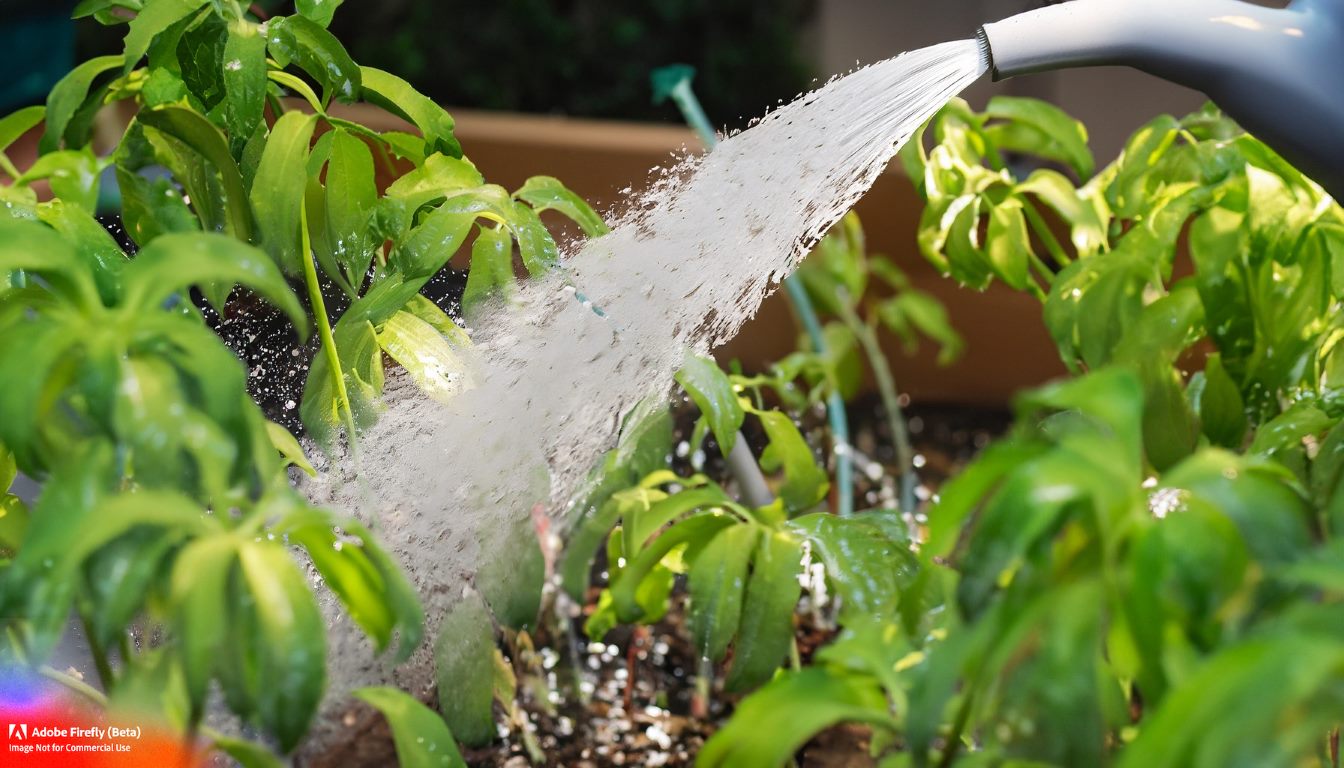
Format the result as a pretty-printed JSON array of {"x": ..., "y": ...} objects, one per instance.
[{"x": 347, "y": 422}]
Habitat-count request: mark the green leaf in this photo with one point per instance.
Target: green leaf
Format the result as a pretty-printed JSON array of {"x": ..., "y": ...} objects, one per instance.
[
  {"x": 101, "y": 8},
  {"x": 869, "y": 567},
  {"x": 288, "y": 447},
  {"x": 244, "y": 76},
  {"x": 1222, "y": 412},
  {"x": 362, "y": 366},
  {"x": 398, "y": 97},
  {"x": 279, "y": 187},
  {"x": 421, "y": 737},
  {"x": 37, "y": 249},
  {"x": 316, "y": 51},
  {"x": 645, "y": 512},
  {"x": 194, "y": 132},
  {"x": 426, "y": 355},
  {"x": 72, "y": 173},
  {"x": 716, "y": 582},
  {"x": 150, "y": 208},
  {"x": 766, "y": 629},
  {"x": 772, "y": 724},
  {"x": 155, "y": 17},
  {"x": 174, "y": 262},
  {"x": 118, "y": 578},
  {"x": 320, "y": 11},
  {"x": 546, "y": 193},
  {"x": 198, "y": 593},
  {"x": 1007, "y": 243},
  {"x": 14, "y": 521},
  {"x": 464, "y": 670},
  {"x": 351, "y": 196},
  {"x": 1039, "y": 128},
  {"x": 912, "y": 311},
  {"x": 805, "y": 483},
  {"x": 291, "y": 643},
  {"x": 432, "y": 244},
  {"x": 246, "y": 753},
  {"x": 67, "y": 97},
  {"x": 19, "y": 122},
  {"x": 714, "y": 395},
  {"x": 693, "y": 532},
  {"x": 102, "y": 255},
  {"x": 1085, "y": 224},
  {"x": 491, "y": 270}
]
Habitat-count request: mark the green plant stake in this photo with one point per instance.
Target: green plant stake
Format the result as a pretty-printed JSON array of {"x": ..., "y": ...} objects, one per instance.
[{"x": 674, "y": 82}]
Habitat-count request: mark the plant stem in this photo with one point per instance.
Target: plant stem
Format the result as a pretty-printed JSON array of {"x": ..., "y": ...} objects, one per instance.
[
  {"x": 795, "y": 659},
  {"x": 324, "y": 329},
  {"x": 1043, "y": 231},
  {"x": 891, "y": 403},
  {"x": 74, "y": 684},
  {"x": 835, "y": 404},
  {"x": 100, "y": 662},
  {"x": 8, "y": 167}
]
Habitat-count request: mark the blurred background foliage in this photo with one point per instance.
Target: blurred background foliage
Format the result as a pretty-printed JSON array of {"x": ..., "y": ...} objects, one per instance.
[{"x": 583, "y": 58}]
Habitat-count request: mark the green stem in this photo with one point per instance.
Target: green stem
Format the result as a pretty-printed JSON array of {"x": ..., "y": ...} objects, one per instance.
[
  {"x": 891, "y": 402},
  {"x": 8, "y": 167},
  {"x": 795, "y": 659},
  {"x": 835, "y": 404},
  {"x": 1047, "y": 236},
  {"x": 100, "y": 662},
  {"x": 324, "y": 329},
  {"x": 298, "y": 86},
  {"x": 74, "y": 684}
]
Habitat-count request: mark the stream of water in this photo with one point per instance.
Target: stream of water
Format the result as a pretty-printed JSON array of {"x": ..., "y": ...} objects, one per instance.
[{"x": 451, "y": 488}]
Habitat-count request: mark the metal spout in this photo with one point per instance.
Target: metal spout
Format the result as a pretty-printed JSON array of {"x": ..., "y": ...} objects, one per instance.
[{"x": 1278, "y": 72}]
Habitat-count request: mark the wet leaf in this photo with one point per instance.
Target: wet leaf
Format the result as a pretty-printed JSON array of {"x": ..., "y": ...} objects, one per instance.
[{"x": 422, "y": 738}]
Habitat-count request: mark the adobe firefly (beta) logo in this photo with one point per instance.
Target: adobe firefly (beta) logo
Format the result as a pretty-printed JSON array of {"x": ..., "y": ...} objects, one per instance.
[{"x": 18, "y": 731}]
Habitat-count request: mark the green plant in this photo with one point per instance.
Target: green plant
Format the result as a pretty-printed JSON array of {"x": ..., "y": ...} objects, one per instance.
[
  {"x": 166, "y": 511},
  {"x": 1145, "y": 572},
  {"x": 839, "y": 274}
]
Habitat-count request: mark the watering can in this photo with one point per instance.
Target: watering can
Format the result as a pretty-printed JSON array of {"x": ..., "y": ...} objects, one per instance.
[{"x": 1277, "y": 72}]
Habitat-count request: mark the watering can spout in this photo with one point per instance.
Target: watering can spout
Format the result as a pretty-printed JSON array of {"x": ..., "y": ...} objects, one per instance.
[{"x": 1278, "y": 72}]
